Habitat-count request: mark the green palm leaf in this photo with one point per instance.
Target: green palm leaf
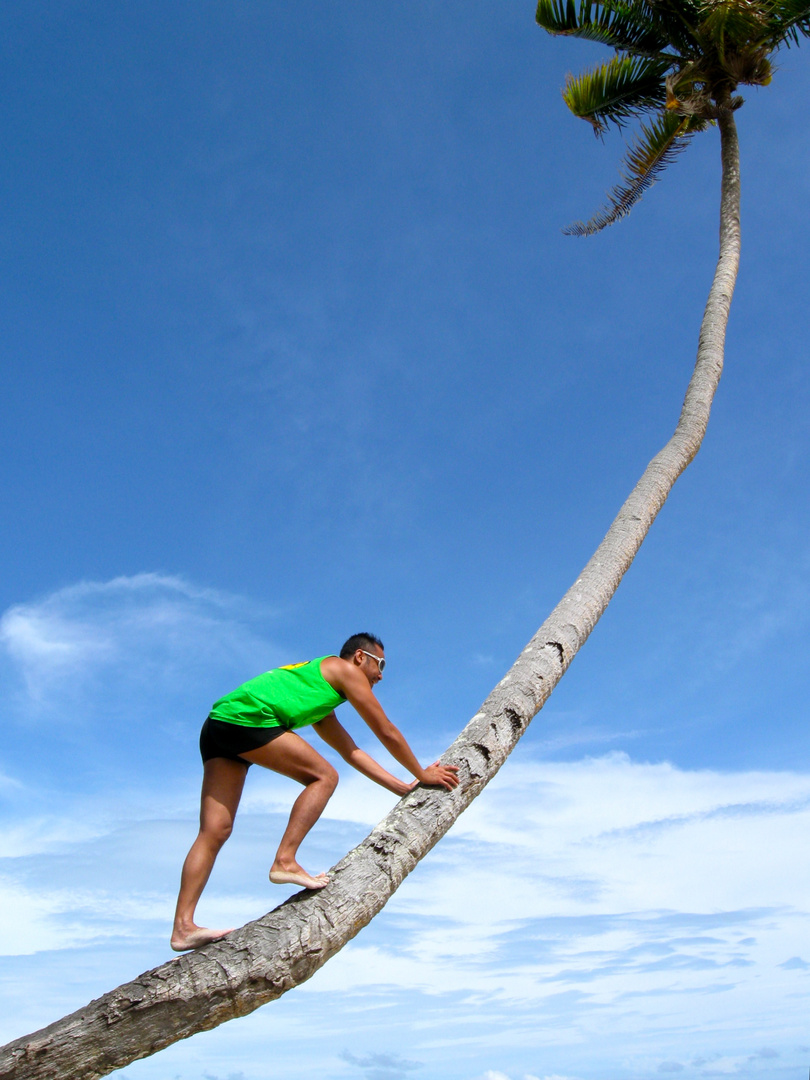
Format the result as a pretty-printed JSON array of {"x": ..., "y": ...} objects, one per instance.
[
  {"x": 672, "y": 21},
  {"x": 618, "y": 90},
  {"x": 655, "y": 147},
  {"x": 729, "y": 22},
  {"x": 682, "y": 60},
  {"x": 617, "y": 25},
  {"x": 787, "y": 19}
]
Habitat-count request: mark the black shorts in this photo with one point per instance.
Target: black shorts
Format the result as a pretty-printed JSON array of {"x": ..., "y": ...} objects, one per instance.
[{"x": 219, "y": 739}]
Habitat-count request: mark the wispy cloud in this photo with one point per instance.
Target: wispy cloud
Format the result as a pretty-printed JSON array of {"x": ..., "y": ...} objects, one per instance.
[
  {"x": 604, "y": 899},
  {"x": 95, "y": 639},
  {"x": 492, "y": 1074},
  {"x": 602, "y": 895},
  {"x": 381, "y": 1066},
  {"x": 607, "y": 897}
]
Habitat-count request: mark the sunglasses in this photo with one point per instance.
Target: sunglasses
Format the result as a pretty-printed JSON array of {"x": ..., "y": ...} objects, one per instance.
[{"x": 380, "y": 659}]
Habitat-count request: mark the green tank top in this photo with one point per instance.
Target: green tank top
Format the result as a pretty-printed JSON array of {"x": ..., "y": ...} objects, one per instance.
[{"x": 289, "y": 697}]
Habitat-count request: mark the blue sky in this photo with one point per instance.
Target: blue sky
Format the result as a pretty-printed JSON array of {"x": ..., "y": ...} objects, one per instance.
[{"x": 294, "y": 346}]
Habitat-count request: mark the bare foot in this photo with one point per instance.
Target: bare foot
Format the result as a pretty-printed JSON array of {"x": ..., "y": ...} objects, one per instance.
[
  {"x": 298, "y": 877},
  {"x": 196, "y": 938}
]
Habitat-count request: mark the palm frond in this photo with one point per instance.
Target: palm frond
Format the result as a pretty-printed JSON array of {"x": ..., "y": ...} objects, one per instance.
[
  {"x": 679, "y": 59},
  {"x": 728, "y": 25},
  {"x": 618, "y": 90},
  {"x": 670, "y": 20},
  {"x": 787, "y": 19},
  {"x": 655, "y": 147},
  {"x": 621, "y": 26},
  {"x": 677, "y": 21}
]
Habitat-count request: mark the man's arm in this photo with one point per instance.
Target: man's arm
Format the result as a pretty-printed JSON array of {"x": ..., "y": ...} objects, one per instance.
[
  {"x": 335, "y": 735},
  {"x": 352, "y": 683}
]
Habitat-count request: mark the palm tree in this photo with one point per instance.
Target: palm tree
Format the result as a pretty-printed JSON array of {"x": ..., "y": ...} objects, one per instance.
[{"x": 681, "y": 59}]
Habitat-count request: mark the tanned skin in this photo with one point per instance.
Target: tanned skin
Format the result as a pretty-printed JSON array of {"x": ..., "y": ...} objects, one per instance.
[{"x": 290, "y": 755}]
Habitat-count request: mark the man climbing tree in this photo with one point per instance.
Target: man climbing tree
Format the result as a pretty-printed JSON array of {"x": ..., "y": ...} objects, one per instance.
[
  {"x": 255, "y": 724},
  {"x": 682, "y": 61}
]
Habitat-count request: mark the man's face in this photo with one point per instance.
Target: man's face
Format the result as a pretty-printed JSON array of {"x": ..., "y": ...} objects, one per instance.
[{"x": 368, "y": 665}]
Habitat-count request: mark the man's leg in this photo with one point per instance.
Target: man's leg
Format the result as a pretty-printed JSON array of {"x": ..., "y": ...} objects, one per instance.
[
  {"x": 223, "y": 781},
  {"x": 292, "y": 756}
]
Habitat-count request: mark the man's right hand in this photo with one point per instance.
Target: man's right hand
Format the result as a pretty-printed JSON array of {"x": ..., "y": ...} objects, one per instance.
[{"x": 437, "y": 775}]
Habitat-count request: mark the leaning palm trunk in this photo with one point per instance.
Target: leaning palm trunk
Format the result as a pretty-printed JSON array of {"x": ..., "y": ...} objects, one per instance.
[{"x": 264, "y": 959}]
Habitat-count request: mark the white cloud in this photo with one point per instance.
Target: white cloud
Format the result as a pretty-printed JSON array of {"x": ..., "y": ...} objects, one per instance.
[
  {"x": 585, "y": 899},
  {"x": 149, "y": 631},
  {"x": 492, "y": 1074},
  {"x": 603, "y": 899},
  {"x": 604, "y": 870},
  {"x": 355, "y": 801}
]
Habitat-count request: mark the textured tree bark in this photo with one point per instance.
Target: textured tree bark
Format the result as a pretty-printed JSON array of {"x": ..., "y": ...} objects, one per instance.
[{"x": 264, "y": 959}]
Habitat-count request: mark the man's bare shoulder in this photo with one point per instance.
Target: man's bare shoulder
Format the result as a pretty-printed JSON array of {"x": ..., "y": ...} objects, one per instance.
[{"x": 337, "y": 671}]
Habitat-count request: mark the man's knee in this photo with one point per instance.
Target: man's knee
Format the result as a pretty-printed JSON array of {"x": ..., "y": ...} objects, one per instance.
[
  {"x": 330, "y": 777},
  {"x": 217, "y": 832}
]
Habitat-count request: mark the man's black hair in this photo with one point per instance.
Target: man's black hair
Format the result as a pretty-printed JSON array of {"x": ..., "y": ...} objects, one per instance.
[{"x": 360, "y": 641}]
